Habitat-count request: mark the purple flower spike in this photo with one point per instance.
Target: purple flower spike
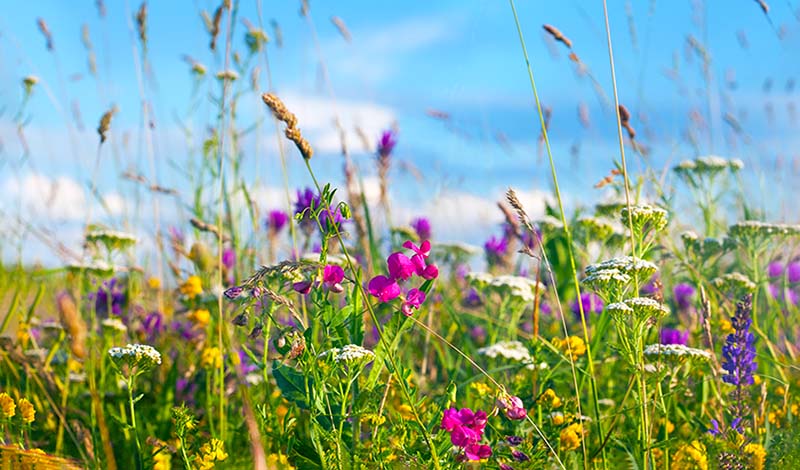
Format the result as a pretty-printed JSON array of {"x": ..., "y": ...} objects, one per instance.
[{"x": 422, "y": 226}]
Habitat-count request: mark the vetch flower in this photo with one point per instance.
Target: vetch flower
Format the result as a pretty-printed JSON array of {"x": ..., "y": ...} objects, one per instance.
[
  {"x": 592, "y": 303},
  {"x": 683, "y": 293},
  {"x": 495, "y": 249},
  {"x": 276, "y": 221},
  {"x": 384, "y": 288},
  {"x": 512, "y": 407},
  {"x": 332, "y": 277},
  {"x": 414, "y": 299},
  {"x": 400, "y": 266},
  {"x": 466, "y": 430},
  {"x": 109, "y": 296},
  {"x": 386, "y": 144}
]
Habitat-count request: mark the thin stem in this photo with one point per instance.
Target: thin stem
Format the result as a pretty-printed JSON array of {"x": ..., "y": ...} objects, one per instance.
[{"x": 139, "y": 462}]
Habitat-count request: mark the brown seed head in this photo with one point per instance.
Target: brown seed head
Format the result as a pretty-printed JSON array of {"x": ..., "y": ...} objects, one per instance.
[{"x": 557, "y": 35}]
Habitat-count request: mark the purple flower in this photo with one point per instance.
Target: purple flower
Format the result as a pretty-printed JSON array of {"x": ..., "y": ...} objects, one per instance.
[
  {"x": 775, "y": 269},
  {"x": 153, "y": 325},
  {"x": 673, "y": 336},
  {"x": 110, "y": 294},
  {"x": 307, "y": 199},
  {"x": 519, "y": 456},
  {"x": 592, "y": 303},
  {"x": 793, "y": 271},
  {"x": 332, "y": 277},
  {"x": 472, "y": 299},
  {"x": 513, "y": 408},
  {"x": 228, "y": 258},
  {"x": 650, "y": 288},
  {"x": 495, "y": 249},
  {"x": 738, "y": 362},
  {"x": 276, "y": 220},
  {"x": 386, "y": 144},
  {"x": 514, "y": 441},
  {"x": 478, "y": 334},
  {"x": 422, "y": 226},
  {"x": 683, "y": 293},
  {"x": 414, "y": 299}
]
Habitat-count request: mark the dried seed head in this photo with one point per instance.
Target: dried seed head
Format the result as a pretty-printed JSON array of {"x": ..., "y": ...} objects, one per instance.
[
  {"x": 292, "y": 132},
  {"x": 141, "y": 23},
  {"x": 213, "y": 27},
  {"x": 339, "y": 23},
  {"x": 72, "y": 322},
  {"x": 105, "y": 123},
  {"x": 48, "y": 36},
  {"x": 557, "y": 35}
]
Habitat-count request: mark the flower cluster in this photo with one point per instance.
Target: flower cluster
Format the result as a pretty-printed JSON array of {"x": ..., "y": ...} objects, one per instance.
[
  {"x": 512, "y": 406},
  {"x": 140, "y": 355},
  {"x": 706, "y": 165},
  {"x": 645, "y": 217},
  {"x": 516, "y": 287},
  {"x": 350, "y": 353},
  {"x": 401, "y": 268},
  {"x": 466, "y": 430},
  {"x": 676, "y": 351},
  {"x": 512, "y": 350},
  {"x": 739, "y": 360},
  {"x": 22, "y": 408}
]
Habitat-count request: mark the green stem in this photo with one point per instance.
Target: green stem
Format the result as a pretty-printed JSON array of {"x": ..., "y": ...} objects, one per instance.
[{"x": 139, "y": 461}]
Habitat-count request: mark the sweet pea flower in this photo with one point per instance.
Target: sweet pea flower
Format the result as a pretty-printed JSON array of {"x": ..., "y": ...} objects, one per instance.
[
  {"x": 414, "y": 299},
  {"x": 423, "y": 250},
  {"x": 478, "y": 451},
  {"x": 400, "y": 266},
  {"x": 332, "y": 276},
  {"x": 775, "y": 269},
  {"x": 302, "y": 287},
  {"x": 384, "y": 288},
  {"x": 512, "y": 406},
  {"x": 276, "y": 220}
]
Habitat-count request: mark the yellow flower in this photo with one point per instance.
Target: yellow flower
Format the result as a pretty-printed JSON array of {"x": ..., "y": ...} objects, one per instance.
[
  {"x": 26, "y": 410},
  {"x": 725, "y": 327},
  {"x": 481, "y": 388},
  {"x": 557, "y": 418},
  {"x": 570, "y": 437},
  {"x": 154, "y": 283},
  {"x": 690, "y": 457},
  {"x": 7, "y": 406},
  {"x": 550, "y": 398},
  {"x": 573, "y": 344},
  {"x": 757, "y": 381},
  {"x": 211, "y": 358},
  {"x": 667, "y": 425},
  {"x": 23, "y": 334},
  {"x": 192, "y": 287},
  {"x": 278, "y": 462},
  {"x": 756, "y": 454},
  {"x": 162, "y": 459},
  {"x": 405, "y": 411},
  {"x": 200, "y": 317}
]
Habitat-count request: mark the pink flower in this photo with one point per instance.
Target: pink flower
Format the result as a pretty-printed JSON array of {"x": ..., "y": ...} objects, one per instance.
[
  {"x": 463, "y": 436},
  {"x": 478, "y": 451},
  {"x": 423, "y": 250},
  {"x": 400, "y": 266},
  {"x": 332, "y": 277},
  {"x": 429, "y": 271},
  {"x": 414, "y": 299},
  {"x": 450, "y": 419},
  {"x": 512, "y": 406},
  {"x": 384, "y": 288}
]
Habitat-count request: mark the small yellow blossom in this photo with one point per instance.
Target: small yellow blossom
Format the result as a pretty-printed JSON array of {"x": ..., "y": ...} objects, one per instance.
[
  {"x": 192, "y": 287},
  {"x": 211, "y": 358},
  {"x": 756, "y": 456},
  {"x": 570, "y": 437},
  {"x": 481, "y": 388},
  {"x": 757, "y": 381},
  {"x": 162, "y": 459},
  {"x": 7, "y": 406},
  {"x": 549, "y": 398},
  {"x": 405, "y": 411},
  {"x": 374, "y": 419},
  {"x": 26, "y": 410},
  {"x": 690, "y": 456},
  {"x": 573, "y": 345},
  {"x": 278, "y": 462},
  {"x": 557, "y": 418},
  {"x": 666, "y": 425},
  {"x": 725, "y": 327},
  {"x": 23, "y": 334},
  {"x": 154, "y": 283},
  {"x": 212, "y": 451},
  {"x": 200, "y": 317}
]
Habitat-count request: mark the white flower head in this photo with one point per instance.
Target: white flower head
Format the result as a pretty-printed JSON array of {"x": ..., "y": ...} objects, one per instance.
[
  {"x": 141, "y": 355},
  {"x": 114, "y": 323},
  {"x": 511, "y": 350},
  {"x": 676, "y": 351}
]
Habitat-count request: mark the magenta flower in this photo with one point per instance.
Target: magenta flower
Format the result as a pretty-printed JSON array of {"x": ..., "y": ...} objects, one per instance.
[
  {"x": 775, "y": 269},
  {"x": 466, "y": 430},
  {"x": 386, "y": 143},
  {"x": 332, "y": 277},
  {"x": 276, "y": 220},
  {"x": 512, "y": 406},
  {"x": 422, "y": 226},
  {"x": 793, "y": 271},
  {"x": 495, "y": 249},
  {"x": 384, "y": 288},
  {"x": 478, "y": 452},
  {"x": 591, "y": 303},
  {"x": 423, "y": 250},
  {"x": 683, "y": 295},
  {"x": 673, "y": 336},
  {"x": 414, "y": 299},
  {"x": 400, "y": 266},
  {"x": 302, "y": 287}
]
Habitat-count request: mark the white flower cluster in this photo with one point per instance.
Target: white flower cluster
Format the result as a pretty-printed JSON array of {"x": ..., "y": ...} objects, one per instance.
[
  {"x": 676, "y": 350},
  {"x": 518, "y": 287},
  {"x": 136, "y": 354},
  {"x": 708, "y": 164},
  {"x": 625, "y": 265},
  {"x": 734, "y": 282},
  {"x": 114, "y": 323},
  {"x": 754, "y": 229},
  {"x": 644, "y": 214},
  {"x": 604, "y": 277},
  {"x": 620, "y": 308},
  {"x": 110, "y": 236},
  {"x": 97, "y": 267},
  {"x": 338, "y": 260},
  {"x": 595, "y": 227},
  {"x": 348, "y": 353},
  {"x": 513, "y": 350},
  {"x": 642, "y": 307}
]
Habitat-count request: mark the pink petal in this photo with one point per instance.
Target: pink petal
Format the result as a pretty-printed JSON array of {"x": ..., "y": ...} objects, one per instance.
[
  {"x": 384, "y": 288},
  {"x": 400, "y": 266},
  {"x": 332, "y": 274}
]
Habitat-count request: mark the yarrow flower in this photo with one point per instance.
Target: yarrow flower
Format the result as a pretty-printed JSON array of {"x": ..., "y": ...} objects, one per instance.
[
  {"x": 141, "y": 355},
  {"x": 349, "y": 354},
  {"x": 517, "y": 287},
  {"x": 512, "y": 350},
  {"x": 676, "y": 351},
  {"x": 466, "y": 430}
]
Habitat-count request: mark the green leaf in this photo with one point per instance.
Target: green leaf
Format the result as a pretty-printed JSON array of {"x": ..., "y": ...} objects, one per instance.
[{"x": 291, "y": 383}]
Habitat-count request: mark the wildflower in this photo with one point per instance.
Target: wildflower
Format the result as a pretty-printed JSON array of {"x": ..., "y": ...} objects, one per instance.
[
  {"x": 162, "y": 459},
  {"x": 153, "y": 325},
  {"x": 384, "y": 288},
  {"x": 570, "y": 437},
  {"x": 26, "y": 410},
  {"x": 276, "y": 221},
  {"x": 641, "y": 307},
  {"x": 386, "y": 144},
  {"x": 514, "y": 441},
  {"x": 675, "y": 351},
  {"x": 519, "y": 456},
  {"x": 645, "y": 217},
  {"x": 775, "y": 269},
  {"x": 683, "y": 295},
  {"x": 192, "y": 287},
  {"x": 519, "y": 288},
  {"x": 557, "y": 418},
  {"x": 7, "y": 406},
  {"x": 212, "y": 451},
  {"x": 332, "y": 277},
  {"x": 590, "y": 302},
  {"x": 736, "y": 283},
  {"x": 466, "y": 430},
  {"x": 549, "y": 398},
  {"x": 400, "y": 266},
  {"x": 302, "y": 287},
  {"x": 228, "y": 258},
  {"x": 110, "y": 238},
  {"x": 572, "y": 346},
  {"x": 739, "y": 351},
  {"x": 512, "y": 350},
  {"x": 674, "y": 336},
  {"x": 109, "y": 296},
  {"x": 211, "y": 358},
  {"x": 495, "y": 250},
  {"x": 114, "y": 324},
  {"x": 422, "y": 226},
  {"x": 153, "y": 283},
  {"x": 276, "y": 461},
  {"x": 414, "y": 299},
  {"x": 234, "y": 292},
  {"x": 756, "y": 455},
  {"x": 200, "y": 317},
  {"x": 133, "y": 355},
  {"x": 512, "y": 406},
  {"x": 793, "y": 272},
  {"x": 690, "y": 456}
]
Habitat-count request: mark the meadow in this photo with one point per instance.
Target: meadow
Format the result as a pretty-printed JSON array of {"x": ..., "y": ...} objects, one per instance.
[{"x": 647, "y": 322}]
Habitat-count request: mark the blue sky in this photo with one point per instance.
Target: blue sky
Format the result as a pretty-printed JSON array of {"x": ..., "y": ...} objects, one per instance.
[{"x": 405, "y": 58}]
